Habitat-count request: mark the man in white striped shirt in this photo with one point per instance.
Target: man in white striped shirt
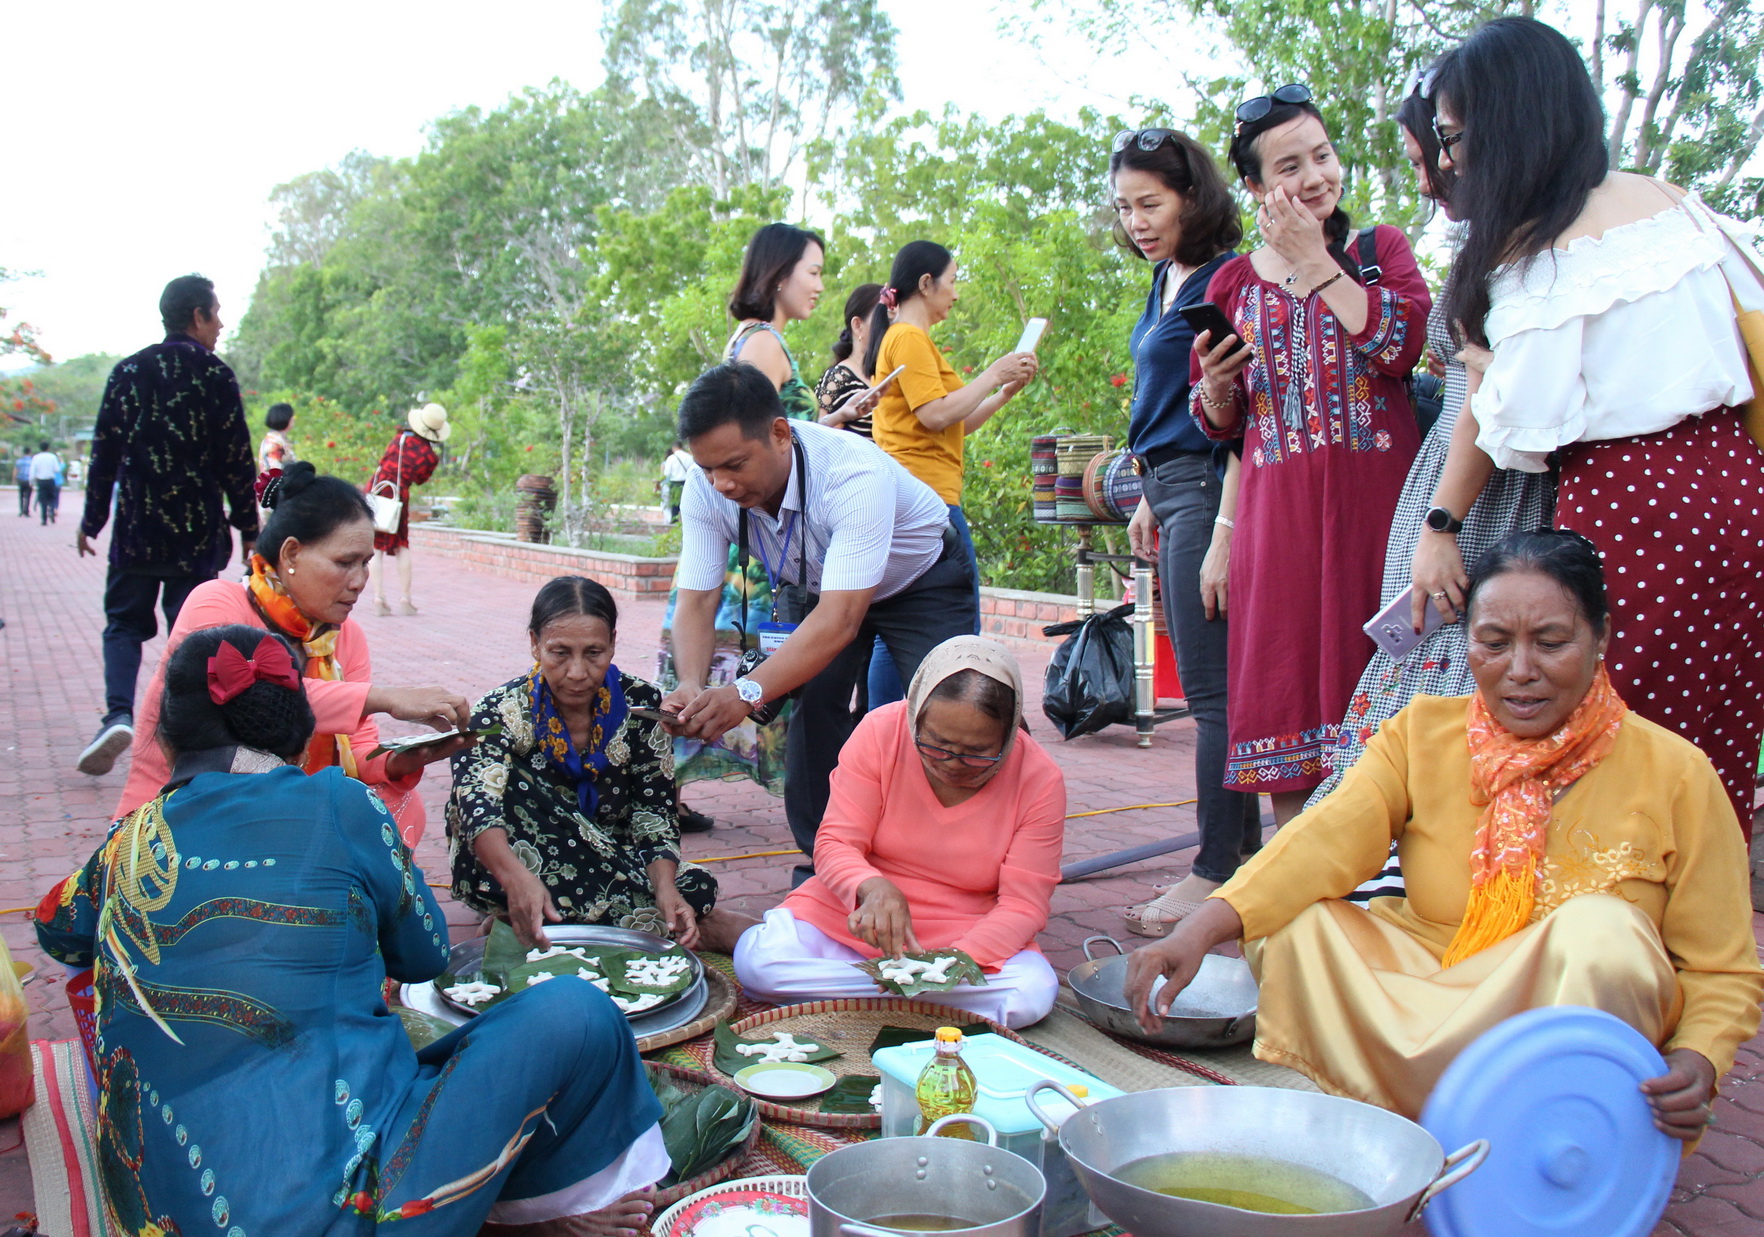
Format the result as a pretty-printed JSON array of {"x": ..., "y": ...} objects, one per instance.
[{"x": 868, "y": 553}]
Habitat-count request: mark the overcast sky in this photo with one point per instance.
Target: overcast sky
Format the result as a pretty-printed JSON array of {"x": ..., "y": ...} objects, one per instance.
[{"x": 145, "y": 139}]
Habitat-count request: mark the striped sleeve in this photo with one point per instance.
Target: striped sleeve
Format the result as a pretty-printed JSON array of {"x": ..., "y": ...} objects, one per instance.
[
  {"x": 860, "y": 516},
  {"x": 704, "y": 541}
]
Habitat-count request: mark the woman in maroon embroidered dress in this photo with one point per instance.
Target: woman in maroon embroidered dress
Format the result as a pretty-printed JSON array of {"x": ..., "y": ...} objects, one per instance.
[
  {"x": 410, "y": 459},
  {"x": 1328, "y": 433}
]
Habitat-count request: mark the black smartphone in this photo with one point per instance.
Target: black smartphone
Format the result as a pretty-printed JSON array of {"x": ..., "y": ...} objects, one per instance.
[
  {"x": 1207, "y": 316},
  {"x": 653, "y": 715}
]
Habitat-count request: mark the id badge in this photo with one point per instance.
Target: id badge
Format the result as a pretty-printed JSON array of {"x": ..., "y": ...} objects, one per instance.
[{"x": 773, "y": 635}]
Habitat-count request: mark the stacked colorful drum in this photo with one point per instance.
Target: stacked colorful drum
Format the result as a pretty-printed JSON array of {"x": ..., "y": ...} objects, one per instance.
[
  {"x": 1044, "y": 470},
  {"x": 1073, "y": 454}
]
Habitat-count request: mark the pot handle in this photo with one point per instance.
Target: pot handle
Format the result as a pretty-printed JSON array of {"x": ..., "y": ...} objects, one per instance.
[
  {"x": 954, "y": 1118},
  {"x": 1458, "y": 1165},
  {"x": 1091, "y": 940},
  {"x": 1047, "y": 1084}
]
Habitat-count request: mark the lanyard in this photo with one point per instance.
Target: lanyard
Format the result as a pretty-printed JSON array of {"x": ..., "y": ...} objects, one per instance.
[
  {"x": 802, "y": 495},
  {"x": 772, "y": 573}
]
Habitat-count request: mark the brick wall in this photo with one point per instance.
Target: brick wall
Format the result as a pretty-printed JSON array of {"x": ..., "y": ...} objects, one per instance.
[{"x": 1007, "y": 614}]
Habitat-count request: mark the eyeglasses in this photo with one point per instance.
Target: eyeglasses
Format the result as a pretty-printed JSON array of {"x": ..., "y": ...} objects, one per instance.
[
  {"x": 1446, "y": 140},
  {"x": 1252, "y": 110},
  {"x": 1148, "y": 139},
  {"x": 943, "y": 755}
]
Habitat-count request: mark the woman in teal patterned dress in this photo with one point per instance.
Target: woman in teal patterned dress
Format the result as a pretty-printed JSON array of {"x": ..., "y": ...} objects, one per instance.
[
  {"x": 780, "y": 283},
  {"x": 252, "y": 1082},
  {"x": 567, "y": 815}
]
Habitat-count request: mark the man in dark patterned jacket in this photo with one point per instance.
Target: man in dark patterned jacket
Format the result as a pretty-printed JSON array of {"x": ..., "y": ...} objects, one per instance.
[{"x": 171, "y": 440}]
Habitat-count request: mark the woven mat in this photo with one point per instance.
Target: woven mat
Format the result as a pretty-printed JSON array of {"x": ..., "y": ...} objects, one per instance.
[
  {"x": 1065, "y": 1034},
  {"x": 60, "y": 1132},
  {"x": 1235, "y": 1066}
]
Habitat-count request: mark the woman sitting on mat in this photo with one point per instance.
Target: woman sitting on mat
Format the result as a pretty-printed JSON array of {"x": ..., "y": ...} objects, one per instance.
[
  {"x": 568, "y": 815},
  {"x": 943, "y": 831},
  {"x": 309, "y": 571},
  {"x": 1558, "y": 850},
  {"x": 243, "y": 924}
]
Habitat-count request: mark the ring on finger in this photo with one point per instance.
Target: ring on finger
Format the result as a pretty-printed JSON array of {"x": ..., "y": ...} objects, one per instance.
[{"x": 1437, "y": 596}]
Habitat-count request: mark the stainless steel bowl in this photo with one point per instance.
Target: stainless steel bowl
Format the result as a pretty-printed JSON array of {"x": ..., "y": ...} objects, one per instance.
[
  {"x": 1388, "y": 1158},
  {"x": 1216, "y": 1010}
]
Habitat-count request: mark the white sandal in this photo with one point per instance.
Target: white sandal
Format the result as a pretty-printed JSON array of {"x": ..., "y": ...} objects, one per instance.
[{"x": 1160, "y": 915}]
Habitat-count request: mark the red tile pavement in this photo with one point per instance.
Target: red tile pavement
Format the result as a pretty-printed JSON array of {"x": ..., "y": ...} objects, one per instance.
[{"x": 470, "y": 637}]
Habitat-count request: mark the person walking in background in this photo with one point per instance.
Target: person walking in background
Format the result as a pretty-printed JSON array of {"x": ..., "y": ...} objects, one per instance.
[
  {"x": 1335, "y": 323},
  {"x": 1174, "y": 209},
  {"x": 846, "y": 377},
  {"x": 171, "y": 440},
  {"x": 21, "y": 473},
  {"x": 76, "y": 473},
  {"x": 46, "y": 476},
  {"x": 1608, "y": 301},
  {"x": 275, "y": 452},
  {"x": 924, "y": 418},
  {"x": 410, "y": 459},
  {"x": 674, "y": 472},
  {"x": 780, "y": 283}
]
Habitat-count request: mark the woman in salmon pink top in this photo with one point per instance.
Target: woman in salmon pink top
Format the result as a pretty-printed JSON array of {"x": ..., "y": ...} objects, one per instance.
[{"x": 944, "y": 831}]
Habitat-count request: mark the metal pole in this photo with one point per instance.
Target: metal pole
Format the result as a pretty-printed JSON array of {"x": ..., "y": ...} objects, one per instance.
[
  {"x": 1078, "y": 869},
  {"x": 1086, "y": 575},
  {"x": 1144, "y": 689}
]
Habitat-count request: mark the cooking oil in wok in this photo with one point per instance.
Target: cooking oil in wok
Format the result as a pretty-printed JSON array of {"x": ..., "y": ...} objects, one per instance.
[
  {"x": 1248, "y": 1182},
  {"x": 919, "y": 1223}
]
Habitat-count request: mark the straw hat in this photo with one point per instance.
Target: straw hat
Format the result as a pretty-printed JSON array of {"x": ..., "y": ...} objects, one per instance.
[{"x": 431, "y": 422}]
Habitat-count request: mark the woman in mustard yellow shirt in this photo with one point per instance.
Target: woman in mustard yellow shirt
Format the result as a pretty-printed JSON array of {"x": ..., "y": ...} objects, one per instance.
[
  {"x": 924, "y": 416},
  {"x": 1557, "y": 848}
]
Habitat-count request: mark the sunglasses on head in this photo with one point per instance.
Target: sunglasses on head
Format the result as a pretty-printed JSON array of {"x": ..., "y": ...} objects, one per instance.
[
  {"x": 1421, "y": 81},
  {"x": 1252, "y": 110},
  {"x": 1145, "y": 139}
]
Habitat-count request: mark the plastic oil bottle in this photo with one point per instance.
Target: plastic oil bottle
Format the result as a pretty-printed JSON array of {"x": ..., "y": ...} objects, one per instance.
[{"x": 946, "y": 1085}]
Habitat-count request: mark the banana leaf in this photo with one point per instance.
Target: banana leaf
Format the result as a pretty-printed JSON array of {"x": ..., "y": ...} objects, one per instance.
[
  {"x": 889, "y": 1037},
  {"x": 728, "y": 1060},
  {"x": 701, "y": 1129},
  {"x": 963, "y": 971},
  {"x": 503, "y": 952},
  {"x": 851, "y": 1094},
  {"x": 617, "y": 972},
  {"x": 563, "y": 964}
]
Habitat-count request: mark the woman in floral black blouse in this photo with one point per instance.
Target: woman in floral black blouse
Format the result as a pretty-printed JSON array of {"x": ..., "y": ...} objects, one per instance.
[{"x": 567, "y": 815}]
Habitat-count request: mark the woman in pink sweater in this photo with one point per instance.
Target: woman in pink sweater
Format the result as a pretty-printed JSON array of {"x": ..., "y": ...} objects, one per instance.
[
  {"x": 310, "y": 570},
  {"x": 943, "y": 831}
]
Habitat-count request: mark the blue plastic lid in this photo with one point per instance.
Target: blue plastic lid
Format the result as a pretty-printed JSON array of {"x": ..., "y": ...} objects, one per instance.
[{"x": 1573, "y": 1151}]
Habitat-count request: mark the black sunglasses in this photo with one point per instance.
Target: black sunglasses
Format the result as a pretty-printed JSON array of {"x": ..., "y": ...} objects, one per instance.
[
  {"x": 1252, "y": 110},
  {"x": 1148, "y": 139},
  {"x": 1446, "y": 140}
]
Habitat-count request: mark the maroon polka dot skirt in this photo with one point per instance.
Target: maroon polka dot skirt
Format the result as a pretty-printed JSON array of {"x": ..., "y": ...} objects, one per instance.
[{"x": 1677, "y": 517}]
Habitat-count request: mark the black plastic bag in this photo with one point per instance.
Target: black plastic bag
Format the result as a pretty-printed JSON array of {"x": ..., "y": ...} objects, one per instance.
[{"x": 1090, "y": 680}]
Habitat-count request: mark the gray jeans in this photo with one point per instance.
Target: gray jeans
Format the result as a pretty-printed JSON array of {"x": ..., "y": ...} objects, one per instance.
[{"x": 1184, "y": 497}]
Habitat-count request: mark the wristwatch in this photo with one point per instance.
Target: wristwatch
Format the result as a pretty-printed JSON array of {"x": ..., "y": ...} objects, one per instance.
[
  {"x": 1442, "y": 521},
  {"x": 749, "y": 691}
]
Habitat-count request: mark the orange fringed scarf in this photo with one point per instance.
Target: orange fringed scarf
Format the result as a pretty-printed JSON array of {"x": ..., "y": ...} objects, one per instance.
[
  {"x": 320, "y": 642},
  {"x": 1518, "y": 780}
]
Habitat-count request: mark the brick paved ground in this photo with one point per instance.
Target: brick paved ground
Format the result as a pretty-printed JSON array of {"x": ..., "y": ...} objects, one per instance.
[{"x": 470, "y": 637}]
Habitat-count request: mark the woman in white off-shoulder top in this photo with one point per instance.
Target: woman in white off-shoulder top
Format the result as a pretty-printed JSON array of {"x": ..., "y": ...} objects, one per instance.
[{"x": 1614, "y": 358}]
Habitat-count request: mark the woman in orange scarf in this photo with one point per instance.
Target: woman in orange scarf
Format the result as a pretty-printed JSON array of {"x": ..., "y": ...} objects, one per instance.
[
  {"x": 1558, "y": 849},
  {"x": 310, "y": 569}
]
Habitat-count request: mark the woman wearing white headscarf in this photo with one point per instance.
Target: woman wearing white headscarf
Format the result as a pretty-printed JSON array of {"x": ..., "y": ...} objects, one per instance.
[{"x": 943, "y": 831}]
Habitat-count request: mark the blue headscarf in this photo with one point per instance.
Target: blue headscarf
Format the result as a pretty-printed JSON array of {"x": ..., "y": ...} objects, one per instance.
[{"x": 553, "y": 734}]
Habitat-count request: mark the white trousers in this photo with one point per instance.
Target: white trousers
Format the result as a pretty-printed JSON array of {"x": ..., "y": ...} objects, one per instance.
[
  {"x": 643, "y": 1163},
  {"x": 785, "y": 960}
]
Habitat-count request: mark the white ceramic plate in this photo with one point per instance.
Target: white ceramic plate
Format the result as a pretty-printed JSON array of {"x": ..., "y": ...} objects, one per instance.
[{"x": 784, "y": 1080}]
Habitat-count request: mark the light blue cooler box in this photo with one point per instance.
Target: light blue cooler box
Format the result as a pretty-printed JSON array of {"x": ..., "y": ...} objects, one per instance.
[{"x": 1005, "y": 1071}]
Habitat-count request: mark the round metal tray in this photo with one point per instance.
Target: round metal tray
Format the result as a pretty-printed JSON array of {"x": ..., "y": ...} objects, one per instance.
[{"x": 467, "y": 958}]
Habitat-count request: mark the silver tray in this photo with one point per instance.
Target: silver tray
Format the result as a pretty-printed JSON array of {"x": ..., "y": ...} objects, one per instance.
[{"x": 467, "y": 958}]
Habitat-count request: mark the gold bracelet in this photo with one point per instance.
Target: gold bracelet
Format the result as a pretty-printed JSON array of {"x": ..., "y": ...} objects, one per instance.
[{"x": 1218, "y": 405}]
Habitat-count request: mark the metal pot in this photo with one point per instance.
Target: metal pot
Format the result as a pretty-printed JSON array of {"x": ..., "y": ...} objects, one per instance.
[
  {"x": 997, "y": 1190},
  {"x": 1390, "y": 1159},
  {"x": 1217, "y": 1009}
]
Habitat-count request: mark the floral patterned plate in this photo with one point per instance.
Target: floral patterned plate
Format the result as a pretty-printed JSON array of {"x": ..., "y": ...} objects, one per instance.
[{"x": 741, "y": 1209}]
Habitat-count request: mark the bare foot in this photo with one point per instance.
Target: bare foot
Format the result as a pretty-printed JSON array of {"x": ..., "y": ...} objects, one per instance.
[
  {"x": 625, "y": 1217},
  {"x": 719, "y": 930}
]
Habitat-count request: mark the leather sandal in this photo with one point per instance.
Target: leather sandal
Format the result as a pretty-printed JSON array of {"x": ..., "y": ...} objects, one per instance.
[{"x": 1159, "y": 916}]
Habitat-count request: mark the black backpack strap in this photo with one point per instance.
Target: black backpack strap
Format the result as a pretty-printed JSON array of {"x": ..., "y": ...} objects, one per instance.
[{"x": 1366, "y": 253}]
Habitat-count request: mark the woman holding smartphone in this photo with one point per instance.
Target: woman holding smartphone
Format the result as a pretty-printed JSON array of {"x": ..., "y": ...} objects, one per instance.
[
  {"x": 1328, "y": 434},
  {"x": 923, "y": 419},
  {"x": 1512, "y": 502},
  {"x": 847, "y": 377},
  {"x": 1173, "y": 209}
]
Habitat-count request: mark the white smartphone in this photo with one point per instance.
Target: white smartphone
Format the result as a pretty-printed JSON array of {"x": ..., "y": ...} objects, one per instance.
[
  {"x": 1031, "y": 336},
  {"x": 896, "y": 372},
  {"x": 1392, "y": 628}
]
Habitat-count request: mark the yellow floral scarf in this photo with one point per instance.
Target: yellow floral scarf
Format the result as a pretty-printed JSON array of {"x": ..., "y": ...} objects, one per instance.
[
  {"x": 1518, "y": 779},
  {"x": 320, "y": 642}
]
